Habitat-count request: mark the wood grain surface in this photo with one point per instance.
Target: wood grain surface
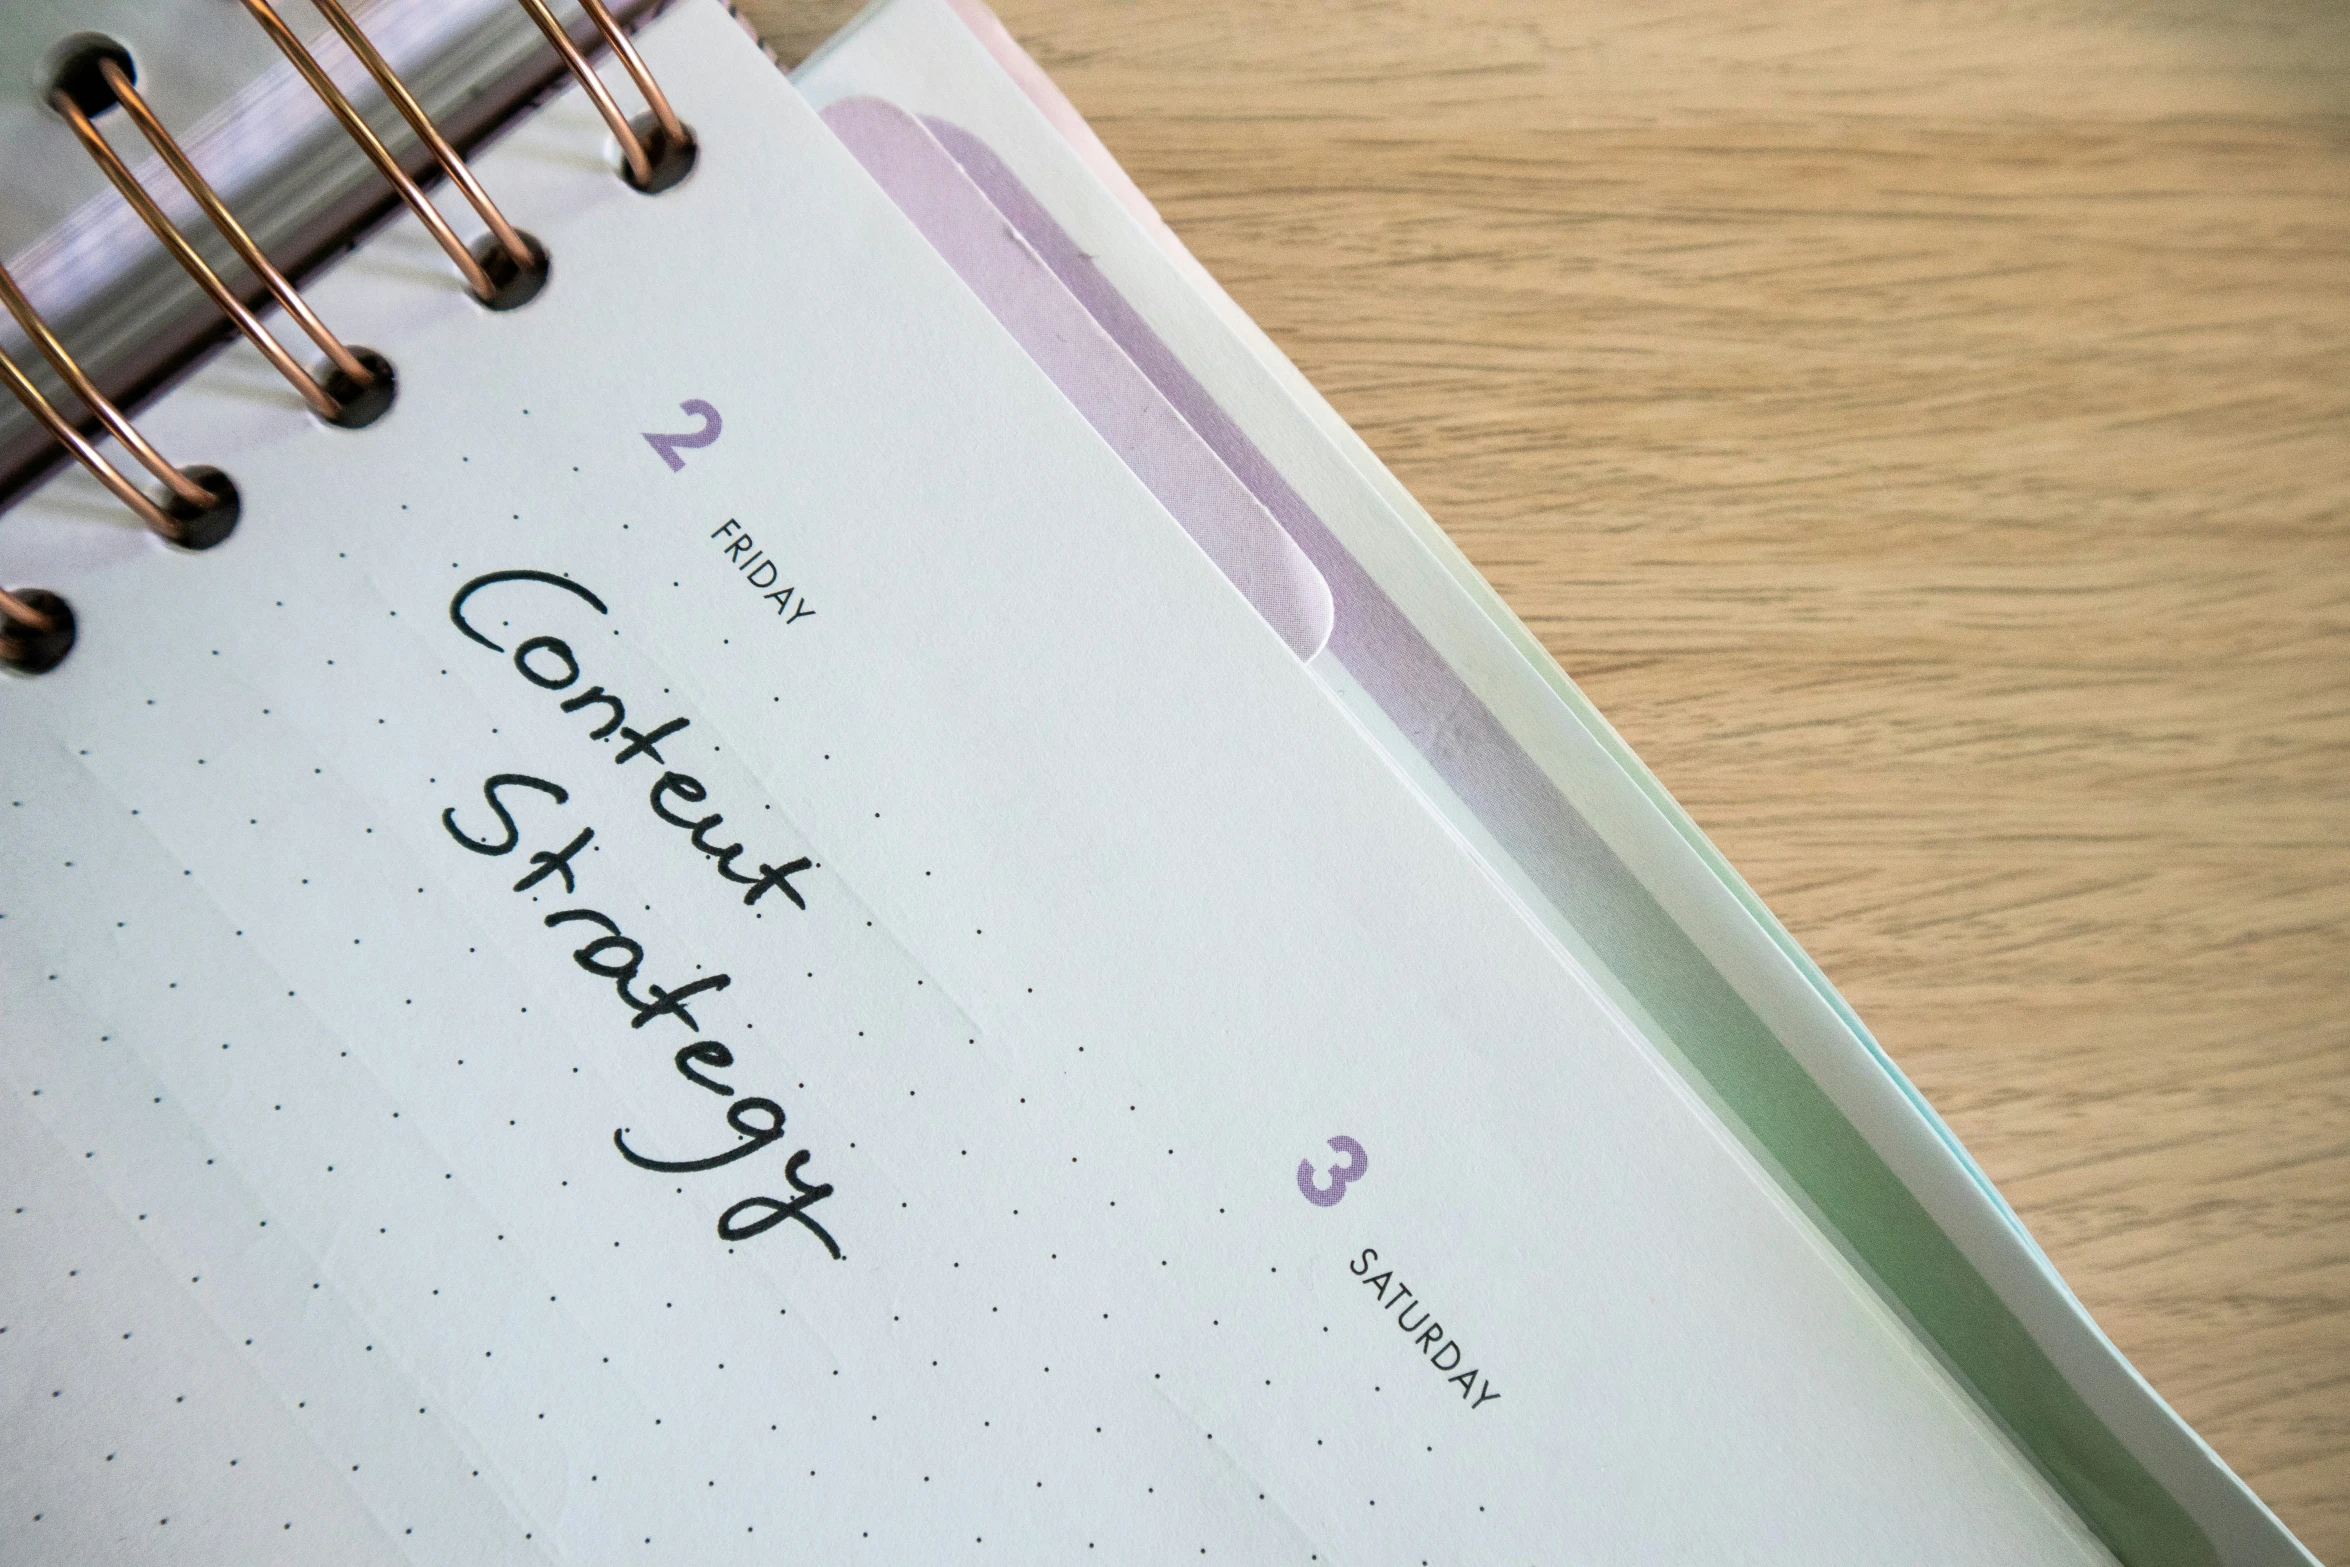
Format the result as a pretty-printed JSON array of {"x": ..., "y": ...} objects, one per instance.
[{"x": 1924, "y": 429}]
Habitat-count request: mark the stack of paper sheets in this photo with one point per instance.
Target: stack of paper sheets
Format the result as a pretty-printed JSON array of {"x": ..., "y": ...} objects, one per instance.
[{"x": 865, "y": 892}]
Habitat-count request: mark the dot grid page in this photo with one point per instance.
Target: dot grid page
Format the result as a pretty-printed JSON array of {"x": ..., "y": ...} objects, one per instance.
[{"x": 719, "y": 942}]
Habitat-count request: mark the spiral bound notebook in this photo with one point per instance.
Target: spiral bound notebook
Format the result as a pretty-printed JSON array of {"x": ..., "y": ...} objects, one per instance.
[{"x": 763, "y": 918}]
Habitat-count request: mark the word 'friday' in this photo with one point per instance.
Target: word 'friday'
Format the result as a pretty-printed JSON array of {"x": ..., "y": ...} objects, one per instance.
[
  {"x": 1427, "y": 1334},
  {"x": 758, "y": 568}
]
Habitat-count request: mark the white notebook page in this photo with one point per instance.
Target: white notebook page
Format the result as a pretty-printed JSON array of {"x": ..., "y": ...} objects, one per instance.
[{"x": 324, "y": 1242}]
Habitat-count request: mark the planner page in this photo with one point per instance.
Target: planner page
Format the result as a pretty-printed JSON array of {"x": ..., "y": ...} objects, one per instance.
[{"x": 720, "y": 941}]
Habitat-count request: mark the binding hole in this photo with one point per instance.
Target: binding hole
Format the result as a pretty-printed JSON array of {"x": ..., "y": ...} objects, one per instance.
[
  {"x": 515, "y": 282},
  {"x": 356, "y": 406},
  {"x": 672, "y": 160},
  {"x": 201, "y": 527},
  {"x": 36, "y": 652},
  {"x": 75, "y": 70}
]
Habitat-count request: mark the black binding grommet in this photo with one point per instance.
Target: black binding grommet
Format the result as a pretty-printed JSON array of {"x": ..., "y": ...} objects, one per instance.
[
  {"x": 356, "y": 406},
  {"x": 35, "y": 650},
  {"x": 201, "y": 527},
  {"x": 77, "y": 69},
  {"x": 672, "y": 157},
  {"x": 514, "y": 281}
]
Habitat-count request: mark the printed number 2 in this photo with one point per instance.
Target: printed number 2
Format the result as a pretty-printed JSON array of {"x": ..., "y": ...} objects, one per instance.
[
  {"x": 670, "y": 445},
  {"x": 1341, "y": 1175}
]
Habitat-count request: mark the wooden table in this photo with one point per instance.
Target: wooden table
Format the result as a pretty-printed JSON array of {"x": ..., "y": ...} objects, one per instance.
[{"x": 1925, "y": 430}]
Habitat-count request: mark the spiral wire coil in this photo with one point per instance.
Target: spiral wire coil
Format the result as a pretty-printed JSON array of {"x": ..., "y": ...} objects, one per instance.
[
  {"x": 505, "y": 269},
  {"x": 94, "y": 141}
]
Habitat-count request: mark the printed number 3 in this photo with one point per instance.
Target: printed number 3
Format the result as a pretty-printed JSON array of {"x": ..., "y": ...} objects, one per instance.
[
  {"x": 1341, "y": 1175},
  {"x": 670, "y": 445}
]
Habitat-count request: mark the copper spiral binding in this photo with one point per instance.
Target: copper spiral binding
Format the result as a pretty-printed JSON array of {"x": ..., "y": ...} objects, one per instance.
[
  {"x": 658, "y": 155},
  {"x": 200, "y": 506},
  {"x": 289, "y": 43},
  {"x": 181, "y": 486},
  {"x": 91, "y": 458},
  {"x": 515, "y": 253},
  {"x": 37, "y": 626},
  {"x": 356, "y": 373}
]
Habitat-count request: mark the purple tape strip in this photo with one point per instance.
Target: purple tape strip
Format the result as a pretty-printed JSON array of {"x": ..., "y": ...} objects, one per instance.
[
  {"x": 1167, "y": 455},
  {"x": 1438, "y": 714}
]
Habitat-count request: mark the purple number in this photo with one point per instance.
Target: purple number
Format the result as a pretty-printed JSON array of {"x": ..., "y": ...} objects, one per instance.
[
  {"x": 1341, "y": 1175},
  {"x": 670, "y": 445}
]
